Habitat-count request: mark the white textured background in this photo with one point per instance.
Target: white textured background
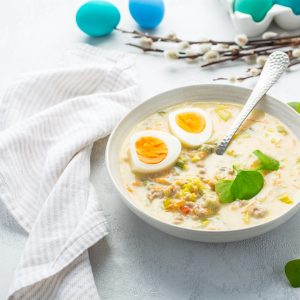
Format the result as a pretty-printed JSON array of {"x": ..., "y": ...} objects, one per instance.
[{"x": 136, "y": 261}]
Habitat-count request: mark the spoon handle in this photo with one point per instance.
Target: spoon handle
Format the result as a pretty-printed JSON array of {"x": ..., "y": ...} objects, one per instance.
[{"x": 275, "y": 66}]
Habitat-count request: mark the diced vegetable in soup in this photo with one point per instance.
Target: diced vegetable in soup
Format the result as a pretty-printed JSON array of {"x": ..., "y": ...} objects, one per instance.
[{"x": 170, "y": 169}]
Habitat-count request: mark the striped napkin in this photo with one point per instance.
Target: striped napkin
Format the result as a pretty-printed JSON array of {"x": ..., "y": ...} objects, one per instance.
[{"x": 48, "y": 124}]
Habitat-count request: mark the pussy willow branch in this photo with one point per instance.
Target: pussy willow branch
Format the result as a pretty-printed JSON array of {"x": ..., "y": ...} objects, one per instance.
[
  {"x": 155, "y": 38},
  {"x": 241, "y": 55},
  {"x": 241, "y": 78},
  {"x": 253, "y": 47},
  {"x": 230, "y": 55},
  {"x": 145, "y": 49},
  {"x": 238, "y": 78}
]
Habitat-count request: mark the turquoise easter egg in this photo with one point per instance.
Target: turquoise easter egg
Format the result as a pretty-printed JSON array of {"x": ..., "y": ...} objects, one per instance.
[
  {"x": 97, "y": 18},
  {"x": 256, "y": 8},
  {"x": 293, "y": 4},
  {"x": 147, "y": 13}
]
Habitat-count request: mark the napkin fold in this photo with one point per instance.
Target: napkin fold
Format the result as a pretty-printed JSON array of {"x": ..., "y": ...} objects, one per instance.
[{"x": 48, "y": 124}]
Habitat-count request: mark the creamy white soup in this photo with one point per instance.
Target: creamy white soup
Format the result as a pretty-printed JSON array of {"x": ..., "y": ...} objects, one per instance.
[{"x": 170, "y": 170}]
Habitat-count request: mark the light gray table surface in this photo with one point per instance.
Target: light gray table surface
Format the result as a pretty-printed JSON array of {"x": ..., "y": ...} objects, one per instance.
[{"x": 136, "y": 261}]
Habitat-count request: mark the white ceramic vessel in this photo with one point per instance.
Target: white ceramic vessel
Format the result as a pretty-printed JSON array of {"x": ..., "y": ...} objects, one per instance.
[
  {"x": 206, "y": 92},
  {"x": 282, "y": 15}
]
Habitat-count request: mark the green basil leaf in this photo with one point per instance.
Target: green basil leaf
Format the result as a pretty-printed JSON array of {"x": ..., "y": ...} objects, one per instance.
[
  {"x": 223, "y": 189},
  {"x": 295, "y": 106},
  {"x": 235, "y": 168},
  {"x": 266, "y": 162},
  {"x": 292, "y": 272},
  {"x": 247, "y": 184}
]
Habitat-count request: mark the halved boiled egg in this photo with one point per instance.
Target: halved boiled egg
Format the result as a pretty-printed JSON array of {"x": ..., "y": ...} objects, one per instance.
[
  {"x": 193, "y": 126},
  {"x": 153, "y": 150}
]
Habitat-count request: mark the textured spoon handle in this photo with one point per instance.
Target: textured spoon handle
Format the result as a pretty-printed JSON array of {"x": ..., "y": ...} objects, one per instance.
[{"x": 276, "y": 64}]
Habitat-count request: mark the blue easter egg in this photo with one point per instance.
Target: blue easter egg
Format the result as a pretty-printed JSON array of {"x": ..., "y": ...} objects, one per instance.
[
  {"x": 147, "y": 13},
  {"x": 293, "y": 4},
  {"x": 97, "y": 18}
]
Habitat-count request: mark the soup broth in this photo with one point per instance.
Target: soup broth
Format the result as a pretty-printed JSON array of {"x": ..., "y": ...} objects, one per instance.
[{"x": 184, "y": 192}]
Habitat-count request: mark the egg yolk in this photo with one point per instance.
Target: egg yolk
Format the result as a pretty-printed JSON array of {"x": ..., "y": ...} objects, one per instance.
[
  {"x": 191, "y": 122},
  {"x": 151, "y": 150}
]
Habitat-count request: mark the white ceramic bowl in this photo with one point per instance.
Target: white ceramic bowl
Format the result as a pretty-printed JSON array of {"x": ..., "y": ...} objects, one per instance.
[{"x": 206, "y": 92}]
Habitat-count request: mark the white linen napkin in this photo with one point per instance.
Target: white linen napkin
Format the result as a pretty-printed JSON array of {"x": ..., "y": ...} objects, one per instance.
[{"x": 48, "y": 124}]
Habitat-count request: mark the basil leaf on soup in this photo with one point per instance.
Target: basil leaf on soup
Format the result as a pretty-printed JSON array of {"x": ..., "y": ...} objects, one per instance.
[
  {"x": 266, "y": 162},
  {"x": 295, "y": 106},
  {"x": 223, "y": 189},
  {"x": 292, "y": 272},
  {"x": 247, "y": 184}
]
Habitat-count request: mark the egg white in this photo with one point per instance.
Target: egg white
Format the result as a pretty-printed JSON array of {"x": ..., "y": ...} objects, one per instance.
[
  {"x": 188, "y": 138},
  {"x": 172, "y": 143}
]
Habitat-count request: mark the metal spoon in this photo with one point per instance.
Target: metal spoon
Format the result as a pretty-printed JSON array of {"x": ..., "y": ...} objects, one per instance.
[{"x": 275, "y": 66}]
